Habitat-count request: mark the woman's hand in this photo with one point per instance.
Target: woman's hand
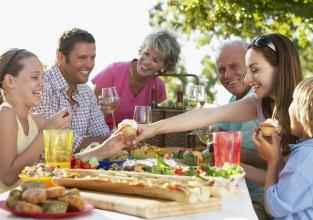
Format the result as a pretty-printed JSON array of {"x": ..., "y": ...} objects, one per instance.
[
  {"x": 60, "y": 120},
  {"x": 145, "y": 131},
  {"x": 269, "y": 148}
]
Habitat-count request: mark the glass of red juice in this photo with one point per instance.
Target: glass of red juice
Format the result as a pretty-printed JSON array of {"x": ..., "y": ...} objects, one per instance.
[{"x": 226, "y": 147}]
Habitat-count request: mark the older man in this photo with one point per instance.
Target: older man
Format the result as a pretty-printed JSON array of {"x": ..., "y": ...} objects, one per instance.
[
  {"x": 230, "y": 65},
  {"x": 65, "y": 88}
]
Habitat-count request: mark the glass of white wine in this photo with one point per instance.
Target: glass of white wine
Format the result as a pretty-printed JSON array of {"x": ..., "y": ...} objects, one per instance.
[
  {"x": 109, "y": 102},
  {"x": 205, "y": 134}
]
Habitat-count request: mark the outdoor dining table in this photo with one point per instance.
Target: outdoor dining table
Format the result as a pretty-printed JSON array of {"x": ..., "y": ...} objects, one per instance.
[{"x": 235, "y": 206}]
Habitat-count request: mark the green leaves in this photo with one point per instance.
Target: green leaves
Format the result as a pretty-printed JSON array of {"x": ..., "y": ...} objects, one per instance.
[{"x": 212, "y": 19}]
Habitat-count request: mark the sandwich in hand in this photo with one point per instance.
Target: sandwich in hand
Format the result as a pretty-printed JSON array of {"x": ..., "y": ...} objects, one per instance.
[{"x": 269, "y": 126}]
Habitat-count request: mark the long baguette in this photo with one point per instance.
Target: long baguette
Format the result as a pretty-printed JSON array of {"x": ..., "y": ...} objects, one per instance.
[
  {"x": 126, "y": 188},
  {"x": 143, "y": 184}
]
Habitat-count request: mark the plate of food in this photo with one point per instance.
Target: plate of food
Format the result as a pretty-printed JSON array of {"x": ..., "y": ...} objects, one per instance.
[
  {"x": 33, "y": 200},
  {"x": 87, "y": 209}
]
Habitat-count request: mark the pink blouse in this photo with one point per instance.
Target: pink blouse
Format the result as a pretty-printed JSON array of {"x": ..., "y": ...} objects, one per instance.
[{"x": 117, "y": 74}]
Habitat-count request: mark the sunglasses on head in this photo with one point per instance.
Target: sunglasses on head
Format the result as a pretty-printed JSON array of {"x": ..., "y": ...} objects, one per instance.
[{"x": 263, "y": 42}]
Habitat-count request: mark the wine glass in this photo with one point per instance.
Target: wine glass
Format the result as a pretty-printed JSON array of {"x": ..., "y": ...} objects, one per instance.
[
  {"x": 205, "y": 134},
  {"x": 191, "y": 96},
  {"x": 109, "y": 102},
  {"x": 142, "y": 114},
  {"x": 201, "y": 94}
]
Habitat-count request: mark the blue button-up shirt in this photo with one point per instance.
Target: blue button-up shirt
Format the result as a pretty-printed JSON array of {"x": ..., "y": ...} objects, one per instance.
[
  {"x": 292, "y": 196},
  {"x": 87, "y": 118}
]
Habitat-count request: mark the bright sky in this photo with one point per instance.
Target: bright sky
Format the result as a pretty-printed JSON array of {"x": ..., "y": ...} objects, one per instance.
[{"x": 119, "y": 27}]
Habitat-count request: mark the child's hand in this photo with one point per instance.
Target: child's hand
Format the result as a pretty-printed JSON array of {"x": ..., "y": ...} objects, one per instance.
[
  {"x": 60, "y": 120},
  {"x": 268, "y": 147}
]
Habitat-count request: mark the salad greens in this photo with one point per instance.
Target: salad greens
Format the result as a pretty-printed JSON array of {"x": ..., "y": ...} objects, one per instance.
[
  {"x": 161, "y": 167},
  {"x": 226, "y": 171}
]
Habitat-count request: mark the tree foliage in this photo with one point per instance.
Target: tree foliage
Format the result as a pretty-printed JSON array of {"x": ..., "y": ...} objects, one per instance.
[{"x": 220, "y": 19}]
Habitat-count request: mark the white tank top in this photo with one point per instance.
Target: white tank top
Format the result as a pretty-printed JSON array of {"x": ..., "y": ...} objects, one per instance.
[{"x": 23, "y": 140}]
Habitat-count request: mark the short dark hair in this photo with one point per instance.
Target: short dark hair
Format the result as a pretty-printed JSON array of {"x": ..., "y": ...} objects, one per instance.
[{"x": 69, "y": 38}]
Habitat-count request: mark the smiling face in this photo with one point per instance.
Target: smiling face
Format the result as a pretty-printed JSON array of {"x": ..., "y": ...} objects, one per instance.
[
  {"x": 259, "y": 73},
  {"x": 77, "y": 66},
  {"x": 28, "y": 84},
  {"x": 150, "y": 62},
  {"x": 230, "y": 68}
]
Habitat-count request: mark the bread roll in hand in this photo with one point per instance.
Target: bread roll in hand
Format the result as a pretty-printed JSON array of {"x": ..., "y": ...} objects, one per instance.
[
  {"x": 128, "y": 128},
  {"x": 269, "y": 126}
]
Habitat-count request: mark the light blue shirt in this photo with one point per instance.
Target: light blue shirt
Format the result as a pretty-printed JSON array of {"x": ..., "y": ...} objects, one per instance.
[
  {"x": 246, "y": 128},
  {"x": 291, "y": 197}
]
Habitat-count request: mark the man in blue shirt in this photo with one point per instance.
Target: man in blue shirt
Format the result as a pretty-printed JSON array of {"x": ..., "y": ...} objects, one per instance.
[{"x": 230, "y": 64}]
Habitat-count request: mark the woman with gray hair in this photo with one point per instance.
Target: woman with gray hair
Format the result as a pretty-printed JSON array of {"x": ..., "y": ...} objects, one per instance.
[{"x": 137, "y": 81}]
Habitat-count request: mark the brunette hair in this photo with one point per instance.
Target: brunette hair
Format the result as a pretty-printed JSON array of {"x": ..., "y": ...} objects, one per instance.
[
  {"x": 69, "y": 38},
  {"x": 282, "y": 54},
  {"x": 10, "y": 64}
]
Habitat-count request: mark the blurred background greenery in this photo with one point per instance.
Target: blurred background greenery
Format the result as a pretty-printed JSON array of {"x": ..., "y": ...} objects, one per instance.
[{"x": 207, "y": 21}]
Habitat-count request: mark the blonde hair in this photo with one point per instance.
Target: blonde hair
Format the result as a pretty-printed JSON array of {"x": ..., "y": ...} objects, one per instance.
[{"x": 303, "y": 105}]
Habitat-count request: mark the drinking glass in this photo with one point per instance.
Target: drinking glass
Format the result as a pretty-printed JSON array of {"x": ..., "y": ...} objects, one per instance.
[
  {"x": 109, "y": 102},
  {"x": 142, "y": 114},
  {"x": 191, "y": 96},
  {"x": 226, "y": 145},
  {"x": 201, "y": 94},
  {"x": 205, "y": 134},
  {"x": 58, "y": 147}
]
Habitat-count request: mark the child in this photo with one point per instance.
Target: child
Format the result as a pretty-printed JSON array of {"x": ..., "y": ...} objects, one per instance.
[
  {"x": 289, "y": 191},
  {"x": 21, "y": 86}
]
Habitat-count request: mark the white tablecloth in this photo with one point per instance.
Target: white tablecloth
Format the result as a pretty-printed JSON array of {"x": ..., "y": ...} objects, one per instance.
[{"x": 236, "y": 206}]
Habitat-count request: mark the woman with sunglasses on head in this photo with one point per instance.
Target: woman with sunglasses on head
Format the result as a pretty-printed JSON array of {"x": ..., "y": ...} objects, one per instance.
[
  {"x": 21, "y": 85},
  {"x": 272, "y": 70}
]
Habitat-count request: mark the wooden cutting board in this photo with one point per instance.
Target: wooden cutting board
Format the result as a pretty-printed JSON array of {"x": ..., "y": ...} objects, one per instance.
[{"x": 146, "y": 207}]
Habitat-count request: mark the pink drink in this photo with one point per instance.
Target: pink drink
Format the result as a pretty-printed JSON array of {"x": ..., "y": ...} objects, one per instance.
[{"x": 226, "y": 147}]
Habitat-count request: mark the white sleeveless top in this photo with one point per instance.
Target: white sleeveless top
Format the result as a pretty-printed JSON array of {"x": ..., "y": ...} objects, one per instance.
[{"x": 23, "y": 140}]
